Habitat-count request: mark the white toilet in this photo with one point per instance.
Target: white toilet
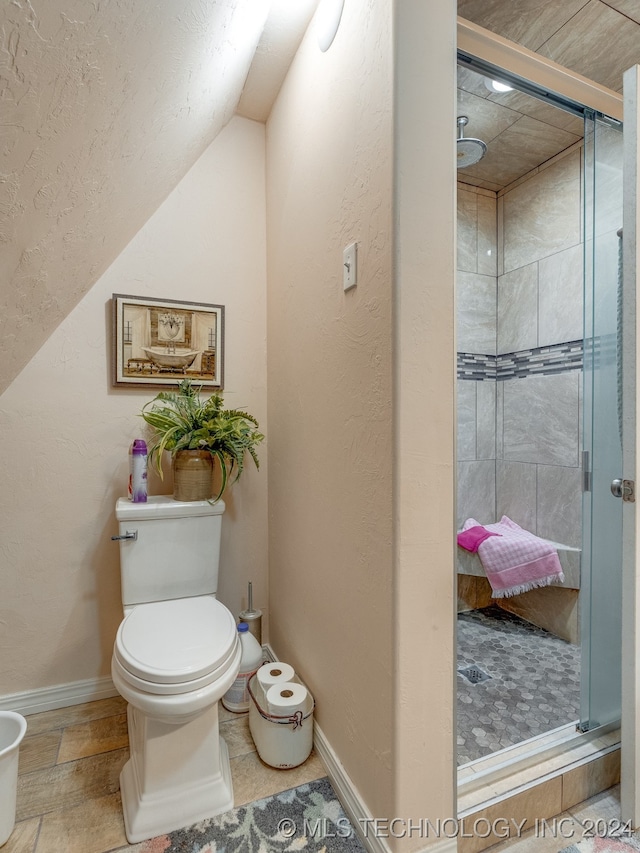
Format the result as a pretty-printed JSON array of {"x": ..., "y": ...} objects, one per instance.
[{"x": 176, "y": 654}]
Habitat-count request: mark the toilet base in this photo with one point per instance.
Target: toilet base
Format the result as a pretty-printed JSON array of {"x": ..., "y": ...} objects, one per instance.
[{"x": 177, "y": 775}]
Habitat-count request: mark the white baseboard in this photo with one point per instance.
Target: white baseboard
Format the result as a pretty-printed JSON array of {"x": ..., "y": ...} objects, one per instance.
[
  {"x": 362, "y": 821},
  {"x": 348, "y": 795},
  {"x": 373, "y": 834},
  {"x": 60, "y": 696},
  {"x": 64, "y": 695}
]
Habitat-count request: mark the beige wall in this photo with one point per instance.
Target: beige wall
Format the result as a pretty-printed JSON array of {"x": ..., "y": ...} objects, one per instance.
[
  {"x": 66, "y": 432},
  {"x": 424, "y": 405},
  {"x": 330, "y": 385},
  {"x": 105, "y": 108},
  {"x": 360, "y": 406},
  {"x": 360, "y": 415}
]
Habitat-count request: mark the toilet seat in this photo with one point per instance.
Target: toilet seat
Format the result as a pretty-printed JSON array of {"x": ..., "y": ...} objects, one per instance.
[{"x": 176, "y": 646}]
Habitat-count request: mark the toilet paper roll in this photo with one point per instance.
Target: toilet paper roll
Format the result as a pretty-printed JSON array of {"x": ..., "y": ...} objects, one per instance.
[
  {"x": 286, "y": 698},
  {"x": 269, "y": 674},
  {"x": 275, "y": 673}
]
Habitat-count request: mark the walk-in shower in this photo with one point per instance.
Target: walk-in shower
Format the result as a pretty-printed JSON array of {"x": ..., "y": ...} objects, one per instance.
[{"x": 533, "y": 352}]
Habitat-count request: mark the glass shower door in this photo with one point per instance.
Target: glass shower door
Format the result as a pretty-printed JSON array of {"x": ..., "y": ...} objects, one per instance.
[{"x": 601, "y": 580}]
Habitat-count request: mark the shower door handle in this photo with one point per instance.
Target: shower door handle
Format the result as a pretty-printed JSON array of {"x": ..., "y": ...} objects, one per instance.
[{"x": 625, "y": 489}]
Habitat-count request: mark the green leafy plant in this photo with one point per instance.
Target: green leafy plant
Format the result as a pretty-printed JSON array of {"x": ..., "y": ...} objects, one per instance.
[{"x": 182, "y": 421}]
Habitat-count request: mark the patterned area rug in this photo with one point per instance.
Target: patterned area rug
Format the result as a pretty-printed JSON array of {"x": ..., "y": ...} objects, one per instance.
[
  {"x": 624, "y": 844},
  {"x": 308, "y": 818}
]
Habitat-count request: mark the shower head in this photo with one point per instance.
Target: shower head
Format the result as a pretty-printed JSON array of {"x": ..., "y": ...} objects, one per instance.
[{"x": 470, "y": 151}]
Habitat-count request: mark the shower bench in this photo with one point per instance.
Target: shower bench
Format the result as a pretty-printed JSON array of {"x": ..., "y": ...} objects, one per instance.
[{"x": 554, "y": 608}]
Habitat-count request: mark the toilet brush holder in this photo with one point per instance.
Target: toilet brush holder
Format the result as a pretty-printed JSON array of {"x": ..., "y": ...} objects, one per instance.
[{"x": 252, "y": 617}]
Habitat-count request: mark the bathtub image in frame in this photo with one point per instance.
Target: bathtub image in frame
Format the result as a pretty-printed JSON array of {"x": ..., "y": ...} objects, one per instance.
[{"x": 163, "y": 341}]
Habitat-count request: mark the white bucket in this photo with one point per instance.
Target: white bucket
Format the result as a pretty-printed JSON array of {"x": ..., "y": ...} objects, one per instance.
[
  {"x": 12, "y": 729},
  {"x": 281, "y": 742}
]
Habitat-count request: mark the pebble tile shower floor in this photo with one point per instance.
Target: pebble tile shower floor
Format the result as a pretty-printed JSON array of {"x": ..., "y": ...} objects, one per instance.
[{"x": 534, "y": 685}]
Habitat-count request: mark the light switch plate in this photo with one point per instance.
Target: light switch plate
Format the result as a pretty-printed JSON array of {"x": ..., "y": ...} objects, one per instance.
[{"x": 350, "y": 266}]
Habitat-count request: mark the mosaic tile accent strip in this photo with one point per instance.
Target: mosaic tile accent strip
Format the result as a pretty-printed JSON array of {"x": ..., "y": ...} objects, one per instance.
[
  {"x": 555, "y": 358},
  {"x": 476, "y": 367},
  {"x": 534, "y": 685},
  {"x": 559, "y": 358}
]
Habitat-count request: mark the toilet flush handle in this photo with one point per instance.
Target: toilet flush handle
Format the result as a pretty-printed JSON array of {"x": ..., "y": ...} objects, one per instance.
[{"x": 128, "y": 535}]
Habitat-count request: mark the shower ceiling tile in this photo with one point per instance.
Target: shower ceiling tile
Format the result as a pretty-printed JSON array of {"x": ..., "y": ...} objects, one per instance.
[
  {"x": 518, "y": 149},
  {"x": 599, "y": 43},
  {"x": 487, "y": 120},
  {"x": 527, "y": 22},
  {"x": 530, "y": 106},
  {"x": 630, "y": 8},
  {"x": 488, "y": 123},
  {"x": 471, "y": 82}
]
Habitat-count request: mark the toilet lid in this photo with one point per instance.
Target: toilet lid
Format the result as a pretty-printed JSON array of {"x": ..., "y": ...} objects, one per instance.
[{"x": 181, "y": 640}]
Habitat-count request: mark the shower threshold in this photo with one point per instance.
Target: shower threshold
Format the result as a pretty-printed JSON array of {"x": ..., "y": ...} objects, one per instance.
[{"x": 501, "y": 775}]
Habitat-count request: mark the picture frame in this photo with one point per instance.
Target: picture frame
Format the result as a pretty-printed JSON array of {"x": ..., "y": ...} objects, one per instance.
[{"x": 160, "y": 342}]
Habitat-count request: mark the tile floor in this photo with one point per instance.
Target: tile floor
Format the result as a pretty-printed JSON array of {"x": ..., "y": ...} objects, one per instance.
[
  {"x": 68, "y": 792},
  {"x": 570, "y": 827},
  {"x": 534, "y": 685},
  {"x": 70, "y": 761}
]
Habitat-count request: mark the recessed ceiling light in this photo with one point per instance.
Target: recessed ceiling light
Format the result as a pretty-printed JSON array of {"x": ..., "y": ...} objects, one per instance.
[{"x": 497, "y": 86}]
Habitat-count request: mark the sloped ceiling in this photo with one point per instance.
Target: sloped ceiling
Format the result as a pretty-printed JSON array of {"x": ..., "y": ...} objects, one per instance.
[
  {"x": 104, "y": 106},
  {"x": 281, "y": 37}
]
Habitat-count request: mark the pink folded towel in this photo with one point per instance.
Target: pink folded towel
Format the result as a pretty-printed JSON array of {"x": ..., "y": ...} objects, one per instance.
[
  {"x": 516, "y": 561},
  {"x": 471, "y": 538}
]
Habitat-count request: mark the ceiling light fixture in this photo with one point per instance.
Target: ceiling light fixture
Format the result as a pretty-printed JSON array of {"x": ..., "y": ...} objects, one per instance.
[
  {"x": 327, "y": 22},
  {"x": 497, "y": 86}
]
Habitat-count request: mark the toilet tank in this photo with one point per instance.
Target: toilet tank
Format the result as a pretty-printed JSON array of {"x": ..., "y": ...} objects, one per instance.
[{"x": 176, "y": 551}]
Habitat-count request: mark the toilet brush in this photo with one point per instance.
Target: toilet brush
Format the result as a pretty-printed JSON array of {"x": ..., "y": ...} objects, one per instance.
[{"x": 252, "y": 617}]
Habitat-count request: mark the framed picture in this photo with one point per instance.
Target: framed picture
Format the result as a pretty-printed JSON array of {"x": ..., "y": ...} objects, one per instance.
[{"x": 162, "y": 341}]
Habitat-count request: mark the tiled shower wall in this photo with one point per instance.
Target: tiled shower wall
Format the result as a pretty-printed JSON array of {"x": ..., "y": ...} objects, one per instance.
[
  {"x": 476, "y": 295},
  {"x": 519, "y": 298}
]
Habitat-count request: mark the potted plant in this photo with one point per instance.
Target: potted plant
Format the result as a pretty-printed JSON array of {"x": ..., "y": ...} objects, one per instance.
[{"x": 196, "y": 433}]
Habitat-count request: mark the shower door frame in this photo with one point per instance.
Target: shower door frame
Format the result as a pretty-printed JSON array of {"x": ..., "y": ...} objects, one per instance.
[
  {"x": 630, "y": 758},
  {"x": 494, "y": 51}
]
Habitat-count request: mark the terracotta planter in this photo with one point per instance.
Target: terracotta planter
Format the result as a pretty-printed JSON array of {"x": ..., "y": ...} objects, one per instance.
[{"x": 192, "y": 475}]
